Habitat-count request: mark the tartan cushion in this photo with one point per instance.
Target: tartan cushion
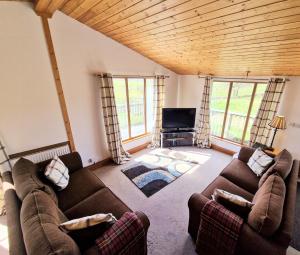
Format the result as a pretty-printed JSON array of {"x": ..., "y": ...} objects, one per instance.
[
  {"x": 57, "y": 173},
  {"x": 259, "y": 161},
  {"x": 87, "y": 221},
  {"x": 123, "y": 236}
]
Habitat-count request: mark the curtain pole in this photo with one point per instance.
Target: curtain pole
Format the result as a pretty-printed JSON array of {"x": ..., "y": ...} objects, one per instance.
[{"x": 136, "y": 76}]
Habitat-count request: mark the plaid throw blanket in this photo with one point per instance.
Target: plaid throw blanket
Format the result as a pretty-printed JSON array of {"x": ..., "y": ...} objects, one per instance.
[
  {"x": 219, "y": 230},
  {"x": 124, "y": 237}
]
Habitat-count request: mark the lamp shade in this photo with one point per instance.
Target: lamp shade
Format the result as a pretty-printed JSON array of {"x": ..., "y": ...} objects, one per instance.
[{"x": 278, "y": 122}]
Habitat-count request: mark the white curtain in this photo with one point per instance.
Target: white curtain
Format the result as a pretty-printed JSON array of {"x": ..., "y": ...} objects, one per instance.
[
  {"x": 113, "y": 135},
  {"x": 260, "y": 131},
  {"x": 158, "y": 105},
  {"x": 203, "y": 127}
]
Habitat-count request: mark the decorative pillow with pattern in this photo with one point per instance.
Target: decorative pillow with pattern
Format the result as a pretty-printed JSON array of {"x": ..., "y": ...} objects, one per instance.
[
  {"x": 232, "y": 202},
  {"x": 57, "y": 173},
  {"x": 259, "y": 162},
  {"x": 87, "y": 221}
]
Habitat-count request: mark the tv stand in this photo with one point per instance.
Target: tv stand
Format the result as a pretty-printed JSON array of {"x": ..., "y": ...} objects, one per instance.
[{"x": 177, "y": 137}]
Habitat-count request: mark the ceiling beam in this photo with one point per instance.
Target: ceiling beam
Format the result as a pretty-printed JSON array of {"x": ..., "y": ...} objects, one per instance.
[{"x": 46, "y": 8}]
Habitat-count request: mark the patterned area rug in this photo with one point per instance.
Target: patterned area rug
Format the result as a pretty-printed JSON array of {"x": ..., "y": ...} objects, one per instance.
[{"x": 155, "y": 170}]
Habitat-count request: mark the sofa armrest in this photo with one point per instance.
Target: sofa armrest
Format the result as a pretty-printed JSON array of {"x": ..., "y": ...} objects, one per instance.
[
  {"x": 72, "y": 161},
  {"x": 195, "y": 203},
  {"x": 144, "y": 219},
  {"x": 245, "y": 154}
]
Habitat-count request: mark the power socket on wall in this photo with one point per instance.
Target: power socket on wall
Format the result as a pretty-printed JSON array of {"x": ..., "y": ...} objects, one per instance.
[
  {"x": 90, "y": 161},
  {"x": 295, "y": 125}
]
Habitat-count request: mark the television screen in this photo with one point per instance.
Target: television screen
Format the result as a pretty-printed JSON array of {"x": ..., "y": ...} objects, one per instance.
[{"x": 178, "y": 117}]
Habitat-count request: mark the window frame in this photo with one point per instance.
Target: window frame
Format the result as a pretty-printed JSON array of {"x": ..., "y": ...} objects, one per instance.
[
  {"x": 146, "y": 132},
  {"x": 231, "y": 82}
]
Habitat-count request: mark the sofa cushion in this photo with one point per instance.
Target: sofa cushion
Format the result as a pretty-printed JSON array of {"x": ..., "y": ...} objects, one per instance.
[
  {"x": 240, "y": 174},
  {"x": 57, "y": 173},
  {"x": 266, "y": 214},
  {"x": 282, "y": 166},
  {"x": 82, "y": 184},
  {"x": 103, "y": 201},
  {"x": 26, "y": 179},
  {"x": 222, "y": 183},
  {"x": 233, "y": 202},
  {"x": 40, "y": 218}
]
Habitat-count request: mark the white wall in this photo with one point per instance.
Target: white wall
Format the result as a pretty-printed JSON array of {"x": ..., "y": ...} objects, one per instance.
[
  {"x": 30, "y": 115},
  {"x": 290, "y": 108},
  {"x": 82, "y": 52},
  {"x": 190, "y": 94}
]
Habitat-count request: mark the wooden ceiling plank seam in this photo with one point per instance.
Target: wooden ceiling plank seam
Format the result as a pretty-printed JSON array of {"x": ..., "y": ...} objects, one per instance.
[
  {"x": 245, "y": 34},
  {"x": 173, "y": 20},
  {"x": 109, "y": 12},
  {"x": 97, "y": 9},
  {"x": 70, "y": 5},
  {"x": 81, "y": 9},
  {"x": 141, "y": 16},
  {"x": 291, "y": 45},
  {"x": 153, "y": 8},
  {"x": 270, "y": 41},
  {"x": 271, "y": 24},
  {"x": 237, "y": 15},
  {"x": 213, "y": 26}
]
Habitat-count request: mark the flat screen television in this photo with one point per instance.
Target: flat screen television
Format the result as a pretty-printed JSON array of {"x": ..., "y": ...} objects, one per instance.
[{"x": 178, "y": 117}]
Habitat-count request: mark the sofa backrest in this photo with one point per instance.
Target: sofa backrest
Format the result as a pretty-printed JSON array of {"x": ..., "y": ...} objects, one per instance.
[
  {"x": 40, "y": 219},
  {"x": 284, "y": 234},
  {"x": 26, "y": 178},
  {"x": 266, "y": 214}
]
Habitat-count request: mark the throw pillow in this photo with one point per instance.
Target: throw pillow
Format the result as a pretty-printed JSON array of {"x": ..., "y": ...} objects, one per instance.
[
  {"x": 234, "y": 203},
  {"x": 259, "y": 162},
  {"x": 87, "y": 221},
  {"x": 57, "y": 173},
  {"x": 266, "y": 214}
]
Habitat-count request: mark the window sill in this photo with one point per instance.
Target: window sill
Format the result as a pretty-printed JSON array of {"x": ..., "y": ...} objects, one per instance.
[
  {"x": 135, "y": 138},
  {"x": 227, "y": 141}
]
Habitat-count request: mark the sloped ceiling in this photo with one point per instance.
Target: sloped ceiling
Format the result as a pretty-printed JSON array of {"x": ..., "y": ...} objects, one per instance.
[{"x": 223, "y": 37}]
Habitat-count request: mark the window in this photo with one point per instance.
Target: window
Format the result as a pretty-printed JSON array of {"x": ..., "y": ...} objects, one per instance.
[
  {"x": 234, "y": 106},
  {"x": 134, "y": 102}
]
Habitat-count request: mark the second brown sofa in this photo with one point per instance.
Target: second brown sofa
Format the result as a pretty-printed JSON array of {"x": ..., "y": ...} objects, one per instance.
[{"x": 237, "y": 178}]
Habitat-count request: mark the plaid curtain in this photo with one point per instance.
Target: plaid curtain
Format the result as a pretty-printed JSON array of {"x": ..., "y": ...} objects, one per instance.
[
  {"x": 203, "y": 127},
  {"x": 158, "y": 105},
  {"x": 113, "y": 135},
  {"x": 260, "y": 131}
]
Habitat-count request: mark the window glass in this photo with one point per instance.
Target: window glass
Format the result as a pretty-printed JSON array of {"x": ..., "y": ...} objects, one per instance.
[
  {"x": 239, "y": 106},
  {"x": 136, "y": 104},
  {"x": 219, "y": 95},
  {"x": 121, "y": 105}
]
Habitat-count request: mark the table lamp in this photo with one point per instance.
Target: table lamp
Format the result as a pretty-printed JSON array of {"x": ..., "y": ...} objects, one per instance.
[{"x": 278, "y": 122}]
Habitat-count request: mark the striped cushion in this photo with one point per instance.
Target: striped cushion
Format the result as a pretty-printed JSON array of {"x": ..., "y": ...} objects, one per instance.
[
  {"x": 57, "y": 173},
  {"x": 87, "y": 221},
  {"x": 259, "y": 162}
]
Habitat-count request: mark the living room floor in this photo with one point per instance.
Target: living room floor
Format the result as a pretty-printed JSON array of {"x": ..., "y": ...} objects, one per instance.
[{"x": 167, "y": 209}]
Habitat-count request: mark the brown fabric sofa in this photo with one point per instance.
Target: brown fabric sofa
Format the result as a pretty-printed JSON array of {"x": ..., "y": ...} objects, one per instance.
[
  {"x": 35, "y": 209},
  {"x": 273, "y": 194}
]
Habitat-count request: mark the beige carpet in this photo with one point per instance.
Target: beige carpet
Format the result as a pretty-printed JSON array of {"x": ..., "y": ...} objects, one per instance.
[{"x": 167, "y": 209}]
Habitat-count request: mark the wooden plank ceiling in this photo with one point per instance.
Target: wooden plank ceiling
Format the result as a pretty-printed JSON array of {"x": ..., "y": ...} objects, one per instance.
[{"x": 220, "y": 37}]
